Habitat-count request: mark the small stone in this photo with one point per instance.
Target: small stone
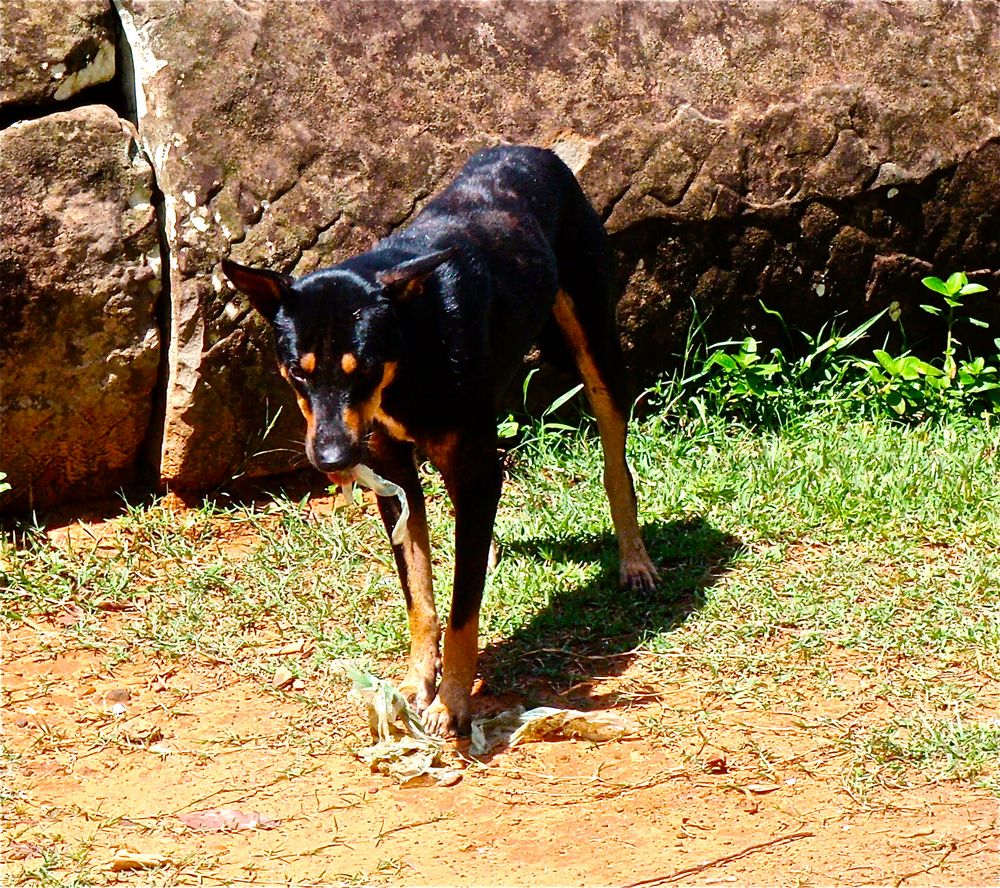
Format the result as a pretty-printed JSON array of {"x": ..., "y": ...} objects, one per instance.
[{"x": 283, "y": 677}]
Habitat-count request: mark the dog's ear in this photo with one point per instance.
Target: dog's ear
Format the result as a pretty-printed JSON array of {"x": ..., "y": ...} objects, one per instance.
[
  {"x": 265, "y": 289},
  {"x": 406, "y": 280}
]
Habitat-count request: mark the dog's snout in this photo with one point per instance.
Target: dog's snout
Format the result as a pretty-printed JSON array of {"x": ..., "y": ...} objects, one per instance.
[{"x": 335, "y": 457}]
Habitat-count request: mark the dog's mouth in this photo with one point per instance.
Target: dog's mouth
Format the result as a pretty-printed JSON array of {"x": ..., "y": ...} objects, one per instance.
[
  {"x": 362, "y": 474},
  {"x": 345, "y": 476}
]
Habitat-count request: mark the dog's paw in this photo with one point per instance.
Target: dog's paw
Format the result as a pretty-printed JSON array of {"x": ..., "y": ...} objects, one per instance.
[
  {"x": 442, "y": 720},
  {"x": 638, "y": 574},
  {"x": 419, "y": 692}
]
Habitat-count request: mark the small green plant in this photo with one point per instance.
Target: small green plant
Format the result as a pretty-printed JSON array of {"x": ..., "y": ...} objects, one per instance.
[
  {"x": 908, "y": 385},
  {"x": 4, "y": 486},
  {"x": 746, "y": 385},
  {"x": 953, "y": 290},
  {"x": 510, "y": 427}
]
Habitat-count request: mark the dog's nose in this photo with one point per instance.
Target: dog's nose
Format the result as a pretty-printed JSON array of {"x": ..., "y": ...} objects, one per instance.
[{"x": 333, "y": 458}]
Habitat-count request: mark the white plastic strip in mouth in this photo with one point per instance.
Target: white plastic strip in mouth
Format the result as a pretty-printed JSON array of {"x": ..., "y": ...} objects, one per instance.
[{"x": 364, "y": 475}]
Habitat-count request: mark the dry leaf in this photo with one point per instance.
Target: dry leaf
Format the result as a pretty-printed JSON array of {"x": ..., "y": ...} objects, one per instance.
[
  {"x": 286, "y": 650},
  {"x": 123, "y": 861},
  {"x": 761, "y": 788},
  {"x": 22, "y": 851},
  {"x": 70, "y": 616},
  {"x": 141, "y": 733},
  {"x": 283, "y": 677},
  {"x": 517, "y": 726},
  {"x": 227, "y": 820},
  {"x": 159, "y": 682},
  {"x": 918, "y": 833}
]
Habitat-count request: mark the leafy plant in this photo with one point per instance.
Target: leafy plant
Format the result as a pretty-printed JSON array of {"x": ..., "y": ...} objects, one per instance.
[
  {"x": 742, "y": 383},
  {"x": 953, "y": 290},
  {"x": 908, "y": 384}
]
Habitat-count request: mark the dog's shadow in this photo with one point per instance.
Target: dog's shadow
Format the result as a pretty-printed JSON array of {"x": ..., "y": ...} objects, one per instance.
[{"x": 591, "y": 632}]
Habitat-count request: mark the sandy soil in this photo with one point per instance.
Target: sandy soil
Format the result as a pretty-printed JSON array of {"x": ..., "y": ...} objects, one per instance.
[{"x": 103, "y": 756}]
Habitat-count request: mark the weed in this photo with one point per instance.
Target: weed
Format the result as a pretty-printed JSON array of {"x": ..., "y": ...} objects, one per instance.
[{"x": 735, "y": 379}]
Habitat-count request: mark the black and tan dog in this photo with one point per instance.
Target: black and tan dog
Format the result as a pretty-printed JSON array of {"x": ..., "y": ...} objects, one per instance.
[{"x": 409, "y": 346}]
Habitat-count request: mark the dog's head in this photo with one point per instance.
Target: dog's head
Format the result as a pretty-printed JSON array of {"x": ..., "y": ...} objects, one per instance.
[{"x": 339, "y": 343}]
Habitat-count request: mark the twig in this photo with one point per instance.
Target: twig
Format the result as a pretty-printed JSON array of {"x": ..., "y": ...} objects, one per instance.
[
  {"x": 387, "y": 832},
  {"x": 927, "y": 869},
  {"x": 719, "y": 861}
]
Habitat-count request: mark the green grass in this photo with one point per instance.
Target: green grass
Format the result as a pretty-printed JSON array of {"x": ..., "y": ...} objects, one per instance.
[{"x": 796, "y": 563}]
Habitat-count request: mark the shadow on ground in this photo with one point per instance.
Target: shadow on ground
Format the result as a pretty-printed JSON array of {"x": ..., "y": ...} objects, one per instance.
[{"x": 590, "y": 633}]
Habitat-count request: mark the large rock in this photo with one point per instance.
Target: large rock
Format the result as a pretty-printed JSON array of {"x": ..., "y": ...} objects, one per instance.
[
  {"x": 79, "y": 278},
  {"x": 50, "y": 51},
  {"x": 813, "y": 155}
]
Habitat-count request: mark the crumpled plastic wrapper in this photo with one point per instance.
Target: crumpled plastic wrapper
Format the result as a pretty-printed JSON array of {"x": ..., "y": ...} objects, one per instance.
[
  {"x": 517, "y": 726},
  {"x": 363, "y": 475},
  {"x": 406, "y": 752},
  {"x": 402, "y": 748}
]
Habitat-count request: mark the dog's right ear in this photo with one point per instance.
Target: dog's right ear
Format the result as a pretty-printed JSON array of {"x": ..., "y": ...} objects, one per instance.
[{"x": 265, "y": 289}]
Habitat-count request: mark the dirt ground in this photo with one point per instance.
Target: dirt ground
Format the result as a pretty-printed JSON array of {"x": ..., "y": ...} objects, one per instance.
[{"x": 103, "y": 758}]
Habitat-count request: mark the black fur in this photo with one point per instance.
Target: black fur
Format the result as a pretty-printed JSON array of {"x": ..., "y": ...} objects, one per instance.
[{"x": 451, "y": 303}]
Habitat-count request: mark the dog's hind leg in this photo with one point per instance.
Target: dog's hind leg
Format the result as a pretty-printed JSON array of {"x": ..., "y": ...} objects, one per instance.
[
  {"x": 597, "y": 357},
  {"x": 394, "y": 460}
]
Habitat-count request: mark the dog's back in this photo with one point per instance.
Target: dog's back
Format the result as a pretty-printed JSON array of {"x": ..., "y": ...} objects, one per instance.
[{"x": 523, "y": 230}]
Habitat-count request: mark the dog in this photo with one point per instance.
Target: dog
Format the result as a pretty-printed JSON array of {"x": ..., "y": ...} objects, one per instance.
[{"x": 410, "y": 345}]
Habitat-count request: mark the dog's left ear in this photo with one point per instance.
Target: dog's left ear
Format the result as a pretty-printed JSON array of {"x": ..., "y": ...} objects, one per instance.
[
  {"x": 406, "y": 280},
  {"x": 265, "y": 289}
]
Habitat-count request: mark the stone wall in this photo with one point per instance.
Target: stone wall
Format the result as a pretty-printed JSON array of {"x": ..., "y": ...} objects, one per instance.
[
  {"x": 79, "y": 264},
  {"x": 821, "y": 157}
]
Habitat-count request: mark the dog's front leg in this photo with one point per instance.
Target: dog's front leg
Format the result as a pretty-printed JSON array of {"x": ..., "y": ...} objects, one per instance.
[
  {"x": 472, "y": 474},
  {"x": 394, "y": 460}
]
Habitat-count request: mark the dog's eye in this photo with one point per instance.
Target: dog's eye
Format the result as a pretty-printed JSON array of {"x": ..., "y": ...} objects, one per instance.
[{"x": 298, "y": 374}]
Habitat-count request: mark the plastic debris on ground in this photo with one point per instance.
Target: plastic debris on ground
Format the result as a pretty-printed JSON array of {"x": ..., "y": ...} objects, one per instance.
[
  {"x": 519, "y": 726},
  {"x": 402, "y": 748},
  {"x": 405, "y": 751}
]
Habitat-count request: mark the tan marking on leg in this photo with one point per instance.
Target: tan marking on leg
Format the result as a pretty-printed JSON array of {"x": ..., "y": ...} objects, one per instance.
[
  {"x": 637, "y": 569},
  {"x": 308, "y": 362},
  {"x": 425, "y": 632},
  {"x": 493, "y": 559},
  {"x": 348, "y": 363},
  {"x": 449, "y": 715}
]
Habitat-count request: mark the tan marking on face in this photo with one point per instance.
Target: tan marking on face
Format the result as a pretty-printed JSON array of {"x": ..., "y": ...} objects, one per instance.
[
  {"x": 284, "y": 373},
  {"x": 352, "y": 421},
  {"x": 308, "y": 414},
  {"x": 308, "y": 362},
  {"x": 359, "y": 417},
  {"x": 348, "y": 363}
]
